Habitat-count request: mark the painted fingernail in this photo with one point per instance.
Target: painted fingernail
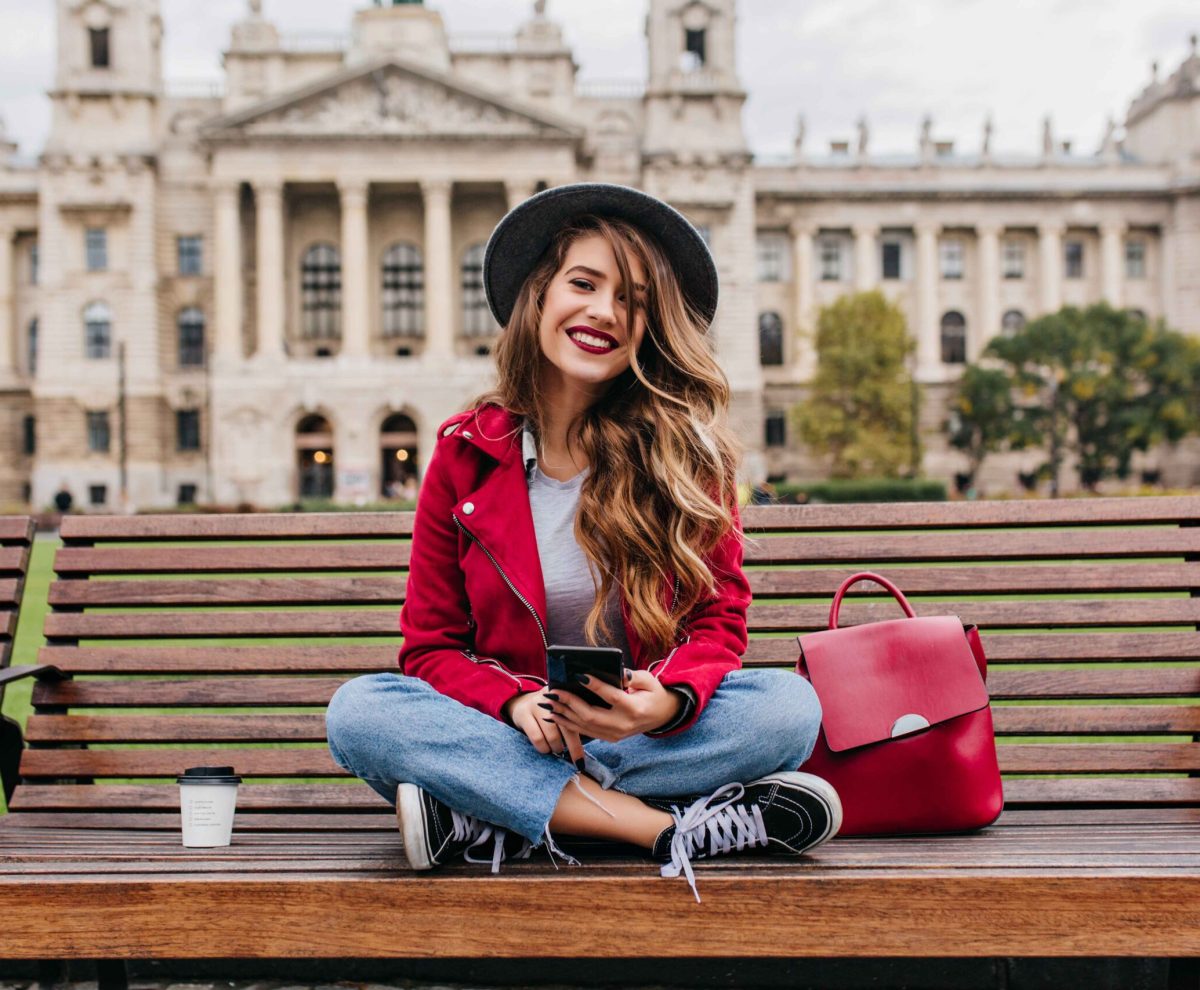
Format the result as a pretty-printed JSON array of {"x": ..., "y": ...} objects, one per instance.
[
  {"x": 553, "y": 697},
  {"x": 584, "y": 679},
  {"x": 579, "y": 764},
  {"x": 542, "y": 704},
  {"x": 550, "y": 720}
]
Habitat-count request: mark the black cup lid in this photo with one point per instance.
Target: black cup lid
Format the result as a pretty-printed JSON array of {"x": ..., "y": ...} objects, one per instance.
[{"x": 208, "y": 775}]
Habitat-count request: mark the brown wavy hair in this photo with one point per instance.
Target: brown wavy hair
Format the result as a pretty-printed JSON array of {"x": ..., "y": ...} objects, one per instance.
[{"x": 663, "y": 460}]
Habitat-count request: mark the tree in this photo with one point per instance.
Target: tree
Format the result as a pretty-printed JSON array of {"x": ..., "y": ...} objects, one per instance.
[
  {"x": 1100, "y": 382},
  {"x": 862, "y": 408},
  {"x": 982, "y": 414}
]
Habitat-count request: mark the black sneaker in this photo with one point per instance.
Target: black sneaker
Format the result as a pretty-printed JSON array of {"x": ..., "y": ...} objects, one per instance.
[
  {"x": 435, "y": 833},
  {"x": 787, "y": 813}
]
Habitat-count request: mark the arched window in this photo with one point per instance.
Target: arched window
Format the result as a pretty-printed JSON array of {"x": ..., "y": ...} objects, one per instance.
[
  {"x": 314, "y": 457},
  {"x": 321, "y": 293},
  {"x": 398, "y": 449},
  {"x": 1138, "y": 314},
  {"x": 770, "y": 339},
  {"x": 476, "y": 317},
  {"x": 403, "y": 291},
  {"x": 954, "y": 338},
  {"x": 190, "y": 324},
  {"x": 97, "y": 330},
  {"x": 33, "y": 345},
  {"x": 1012, "y": 322}
]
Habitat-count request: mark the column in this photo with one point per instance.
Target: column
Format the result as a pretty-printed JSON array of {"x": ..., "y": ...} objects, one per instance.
[
  {"x": 988, "y": 324},
  {"x": 1112, "y": 243},
  {"x": 804, "y": 299},
  {"x": 929, "y": 350},
  {"x": 1167, "y": 282},
  {"x": 227, "y": 273},
  {"x": 268, "y": 204},
  {"x": 1050, "y": 253},
  {"x": 439, "y": 270},
  {"x": 356, "y": 269},
  {"x": 517, "y": 191},
  {"x": 866, "y": 261},
  {"x": 7, "y": 314}
]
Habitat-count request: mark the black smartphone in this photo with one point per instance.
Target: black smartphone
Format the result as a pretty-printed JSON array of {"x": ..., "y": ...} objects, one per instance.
[{"x": 565, "y": 664}]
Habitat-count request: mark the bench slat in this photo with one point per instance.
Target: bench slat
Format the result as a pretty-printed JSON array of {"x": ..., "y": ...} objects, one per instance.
[
  {"x": 1057, "y": 792},
  {"x": 249, "y": 591},
  {"x": 760, "y": 618},
  {"x": 314, "y": 762},
  {"x": 1008, "y": 719},
  {"x": 991, "y": 579},
  {"x": 14, "y": 561},
  {"x": 336, "y": 658},
  {"x": 234, "y": 560},
  {"x": 939, "y": 515},
  {"x": 235, "y": 526},
  {"x": 261, "y": 691},
  {"x": 764, "y": 585}
]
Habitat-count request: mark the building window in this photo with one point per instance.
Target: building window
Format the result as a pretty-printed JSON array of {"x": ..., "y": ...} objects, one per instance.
[
  {"x": 190, "y": 326},
  {"x": 476, "y": 317},
  {"x": 34, "y": 258},
  {"x": 321, "y": 293},
  {"x": 770, "y": 339},
  {"x": 1135, "y": 259},
  {"x": 97, "y": 330},
  {"x": 187, "y": 429},
  {"x": 776, "y": 429},
  {"x": 95, "y": 240},
  {"x": 1012, "y": 322},
  {"x": 1074, "y": 253},
  {"x": 189, "y": 253},
  {"x": 694, "y": 49},
  {"x": 186, "y": 494},
  {"x": 830, "y": 252},
  {"x": 98, "y": 47},
  {"x": 1138, "y": 314},
  {"x": 98, "y": 435},
  {"x": 890, "y": 259},
  {"x": 29, "y": 433},
  {"x": 772, "y": 257},
  {"x": 951, "y": 253},
  {"x": 32, "y": 338},
  {"x": 1014, "y": 259},
  {"x": 97, "y": 494},
  {"x": 403, "y": 291},
  {"x": 954, "y": 338}
]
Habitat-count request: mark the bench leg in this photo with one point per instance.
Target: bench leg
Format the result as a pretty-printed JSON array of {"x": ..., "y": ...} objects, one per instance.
[{"x": 112, "y": 974}]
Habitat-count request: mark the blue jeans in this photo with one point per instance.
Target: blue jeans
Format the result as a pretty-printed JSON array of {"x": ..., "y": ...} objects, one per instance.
[{"x": 388, "y": 728}]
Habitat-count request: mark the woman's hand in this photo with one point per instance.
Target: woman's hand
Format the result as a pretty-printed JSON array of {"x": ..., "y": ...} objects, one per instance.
[
  {"x": 530, "y": 714},
  {"x": 644, "y": 706}
]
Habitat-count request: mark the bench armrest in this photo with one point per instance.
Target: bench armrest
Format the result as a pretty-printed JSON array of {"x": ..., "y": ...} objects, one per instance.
[{"x": 42, "y": 671}]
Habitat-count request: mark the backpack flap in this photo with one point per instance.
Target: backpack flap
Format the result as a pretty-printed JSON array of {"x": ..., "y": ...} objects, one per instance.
[{"x": 883, "y": 680}]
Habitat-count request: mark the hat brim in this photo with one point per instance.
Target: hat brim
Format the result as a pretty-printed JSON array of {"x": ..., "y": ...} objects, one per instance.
[{"x": 521, "y": 238}]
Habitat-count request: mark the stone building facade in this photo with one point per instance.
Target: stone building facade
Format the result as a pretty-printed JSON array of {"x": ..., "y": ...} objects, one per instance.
[{"x": 273, "y": 291}]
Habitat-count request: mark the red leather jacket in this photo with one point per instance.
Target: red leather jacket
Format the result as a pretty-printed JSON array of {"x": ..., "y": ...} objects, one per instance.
[{"x": 474, "y": 613}]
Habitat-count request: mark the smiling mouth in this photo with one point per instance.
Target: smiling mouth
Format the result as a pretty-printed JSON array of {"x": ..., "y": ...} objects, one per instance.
[{"x": 595, "y": 341}]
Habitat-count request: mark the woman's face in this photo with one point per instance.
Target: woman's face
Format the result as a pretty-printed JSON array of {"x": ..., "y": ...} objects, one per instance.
[{"x": 584, "y": 331}]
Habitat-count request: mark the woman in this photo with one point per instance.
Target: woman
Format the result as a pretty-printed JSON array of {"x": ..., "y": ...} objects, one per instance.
[{"x": 589, "y": 498}]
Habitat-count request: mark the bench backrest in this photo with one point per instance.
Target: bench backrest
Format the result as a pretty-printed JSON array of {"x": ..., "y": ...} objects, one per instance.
[{"x": 1089, "y": 611}]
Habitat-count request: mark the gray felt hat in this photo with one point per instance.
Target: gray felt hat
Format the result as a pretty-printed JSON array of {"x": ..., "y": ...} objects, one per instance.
[{"x": 521, "y": 238}]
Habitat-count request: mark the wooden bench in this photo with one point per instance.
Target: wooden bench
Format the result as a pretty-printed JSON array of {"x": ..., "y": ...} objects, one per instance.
[{"x": 1090, "y": 615}]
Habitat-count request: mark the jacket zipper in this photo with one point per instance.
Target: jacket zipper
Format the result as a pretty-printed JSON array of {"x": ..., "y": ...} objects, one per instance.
[{"x": 512, "y": 587}]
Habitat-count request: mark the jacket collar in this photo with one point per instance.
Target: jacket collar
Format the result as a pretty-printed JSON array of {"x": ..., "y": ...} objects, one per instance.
[{"x": 494, "y": 430}]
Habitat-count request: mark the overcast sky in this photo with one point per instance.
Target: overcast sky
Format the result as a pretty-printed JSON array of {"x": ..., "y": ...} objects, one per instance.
[{"x": 830, "y": 60}]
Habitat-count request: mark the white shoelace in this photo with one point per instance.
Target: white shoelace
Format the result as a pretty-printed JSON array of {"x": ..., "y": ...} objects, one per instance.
[
  {"x": 479, "y": 831},
  {"x": 728, "y": 826}
]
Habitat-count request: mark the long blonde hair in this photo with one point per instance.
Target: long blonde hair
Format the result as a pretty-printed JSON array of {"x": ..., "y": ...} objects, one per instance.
[{"x": 663, "y": 460}]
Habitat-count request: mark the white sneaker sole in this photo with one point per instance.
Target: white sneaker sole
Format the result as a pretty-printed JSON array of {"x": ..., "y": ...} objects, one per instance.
[
  {"x": 411, "y": 815},
  {"x": 820, "y": 789}
]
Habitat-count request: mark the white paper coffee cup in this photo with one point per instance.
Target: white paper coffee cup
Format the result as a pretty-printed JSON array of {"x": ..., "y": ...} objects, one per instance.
[{"x": 207, "y": 797}]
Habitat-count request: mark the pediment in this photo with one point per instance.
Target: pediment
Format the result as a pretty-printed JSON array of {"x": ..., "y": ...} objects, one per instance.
[{"x": 391, "y": 99}]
